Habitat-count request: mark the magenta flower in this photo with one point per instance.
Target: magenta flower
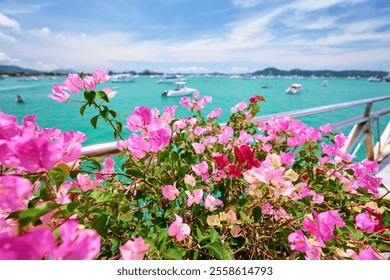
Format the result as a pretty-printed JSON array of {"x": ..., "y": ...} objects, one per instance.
[
  {"x": 365, "y": 222},
  {"x": 179, "y": 229},
  {"x": 286, "y": 158},
  {"x": 367, "y": 254},
  {"x": 59, "y": 94},
  {"x": 234, "y": 171},
  {"x": 211, "y": 202},
  {"x": 13, "y": 190},
  {"x": 34, "y": 245},
  {"x": 186, "y": 102},
  {"x": 78, "y": 243},
  {"x": 170, "y": 192},
  {"x": 299, "y": 240},
  {"x": 221, "y": 160},
  {"x": 134, "y": 249},
  {"x": 73, "y": 83},
  {"x": 195, "y": 197},
  {"x": 325, "y": 128},
  {"x": 313, "y": 253}
]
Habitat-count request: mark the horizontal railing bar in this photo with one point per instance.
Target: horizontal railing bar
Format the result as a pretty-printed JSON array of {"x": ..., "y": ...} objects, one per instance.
[{"x": 111, "y": 147}]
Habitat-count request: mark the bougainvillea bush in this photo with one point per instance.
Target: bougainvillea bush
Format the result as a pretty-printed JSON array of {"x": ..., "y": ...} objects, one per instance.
[{"x": 185, "y": 188}]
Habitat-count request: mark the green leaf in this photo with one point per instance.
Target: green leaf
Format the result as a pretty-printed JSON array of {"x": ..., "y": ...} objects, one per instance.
[
  {"x": 216, "y": 249},
  {"x": 33, "y": 214},
  {"x": 89, "y": 96},
  {"x": 102, "y": 96},
  {"x": 214, "y": 236},
  {"x": 118, "y": 129},
  {"x": 135, "y": 173},
  {"x": 112, "y": 113},
  {"x": 94, "y": 120},
  {"x": 99, "y": 223},
  {"x": 82, "y": 109},
  {"x": 172, "y": 254},
  {"x": 101, "y": 196},
  {"x": 59, "y": 174},
  {"x": 386, "y": 218},
  {"x": 256, "y": 212},
  {"x": 162, "y": 239}
]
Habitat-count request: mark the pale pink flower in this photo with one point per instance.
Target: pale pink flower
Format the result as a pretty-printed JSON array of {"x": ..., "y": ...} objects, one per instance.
[
  {"x": 231, "y": 217},
  {"x": 134, "y": 249},
  {"x": 286, "y": 158},
  {"x": 196, "y": 196},
  {"x": 85, "y": 183},
  {"x": 318, "y": 198},
  {"x": 201, "y": 169},
  {"x": 266, "y": 208},
  {"x": 365, "y": 222},
  {"x": 110, "y": 93},
  {"x": 170, "y": 192},
  {"x": 186, "y": 102},
  {"x": 73, "y": 83},
  {"x": 100, "y": 76},
  {"x": 179, "y": 229},
  {"x": 89, "y": 82},
  {"x": 199, "y": 148},
  {"x": 59, "y": 94},
  {"x": 189, "y": 180},
  {"x": 159, "y": 139},
  {"x": 313, "y": 253},
  {"x": 214, "y": 114},
  {"x": 211, "y": 202}
]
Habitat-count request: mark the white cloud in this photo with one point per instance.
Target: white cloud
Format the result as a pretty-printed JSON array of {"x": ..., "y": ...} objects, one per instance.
[
  {"x": 6, "y": 38},
  {"x": 9, "y": 23},
  {"x": 5, "y": 58},
  {"x": 310, "y": 5},
  {"x": 43, "y": 32},
  {"x": 189, "y": 69}
]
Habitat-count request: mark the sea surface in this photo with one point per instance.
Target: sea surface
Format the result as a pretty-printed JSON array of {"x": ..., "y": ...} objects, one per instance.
[{"x": 225, "y": 93}]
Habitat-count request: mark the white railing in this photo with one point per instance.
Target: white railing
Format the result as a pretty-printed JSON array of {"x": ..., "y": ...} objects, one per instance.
[{"x": 361, "y": 129}]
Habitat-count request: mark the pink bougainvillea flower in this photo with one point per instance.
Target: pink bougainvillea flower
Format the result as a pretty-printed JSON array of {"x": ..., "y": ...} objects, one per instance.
[
  {"x": 89, "y": 82},
  {"x": 246, "y": 157},
  {"x": 179, "y": 229},
  {"x": 110, "y": 93},
  {"x": 73, "y": 83},
  {"x": 85, "y": 183},
  {"x": 77, "y": 242},
  {"x": 313, "y": 253},
  {"x": 201, "y": 169},
  {"x": 214, "y": 114},
  {"x": 159, "y": 139},
  {"x": 367, "y": 254},
  {"x": 137, "y": 145},
  {"x": 189, "y": 180},
  {"x": 34, "y": 245},
  {"x": 170, "y": 192},
  {"x": 299, "y": 240},
  {"x": 186, "y": 102},
  {"x": 100, "y": 76},
  {"x": 195, "y": 197},
  {"x": 365, "y": 222},
  {"x": 325, "y": 128},
  {"x": 134, "y": 249},
  {"x": 199, "y": 148},
  {"x": 59, "y": 94},
  {"x": 13, "y": 191},
  {"x": 211, "y": 202}
]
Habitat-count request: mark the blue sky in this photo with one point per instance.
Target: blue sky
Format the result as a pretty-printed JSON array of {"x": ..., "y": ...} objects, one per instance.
[{"x": 195, "y": 35}]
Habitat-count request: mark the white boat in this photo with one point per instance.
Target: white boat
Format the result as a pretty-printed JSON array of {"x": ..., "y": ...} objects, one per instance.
[
  {"x": 29, "y": 79},
  {"x": 325, "y": 83},
  {"x": 375, "y": 79},
  {"x": 180, "y": 90},
  {"x": 171, "y": 79},
  {"x": 122, "y": 78},
  {"x": 248, "y": 77},
  {"x": 294, "y": 89}
]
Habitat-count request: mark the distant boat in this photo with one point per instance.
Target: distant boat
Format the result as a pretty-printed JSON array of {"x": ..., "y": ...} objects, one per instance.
[
  {"x": 375, "y": 79},
  {"x": 180, "y": 90},
  {"x": 294, "y": 89},
  {"x": 248, "y": 77},
  {"x": 171, "y": 79},
  {"x": 29, "y": 79},
  {"x": 325, "y": 83},
  {"x": 122, "y": 78},
  {"x": 235, "y": 77}
]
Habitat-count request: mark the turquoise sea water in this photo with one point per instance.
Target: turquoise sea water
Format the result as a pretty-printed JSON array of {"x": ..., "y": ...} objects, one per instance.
[{"x": 226, "y": 93}]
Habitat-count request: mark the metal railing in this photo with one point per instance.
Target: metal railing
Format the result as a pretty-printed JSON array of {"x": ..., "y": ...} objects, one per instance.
[{"x": 361, "y": 131}]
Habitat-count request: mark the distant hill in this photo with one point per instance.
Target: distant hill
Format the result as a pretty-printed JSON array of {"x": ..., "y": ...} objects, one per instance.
[
  {"x": 17, "y": 69},
  {"x": 326, "y": 73}
]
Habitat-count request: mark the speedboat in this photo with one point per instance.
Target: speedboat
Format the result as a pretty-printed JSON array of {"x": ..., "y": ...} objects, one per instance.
[
  {"x": 29, "y": 79},
  {"x": 180, "y": 90},
  {"x": 294, "y": 89},
  {"x": 171, "y": 79},
  {"x": 122, "y": 78},
  {"x": 324, "y": 83}
]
